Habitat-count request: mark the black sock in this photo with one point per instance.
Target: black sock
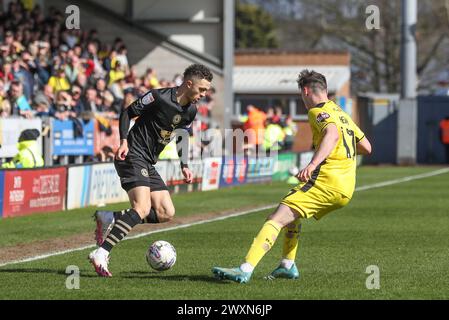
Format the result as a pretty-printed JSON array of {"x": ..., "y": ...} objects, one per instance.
[
  {"x": 123, "y": 225},
  {"x": 118, "y": 214},
  {"x": 151, "y": 218}
]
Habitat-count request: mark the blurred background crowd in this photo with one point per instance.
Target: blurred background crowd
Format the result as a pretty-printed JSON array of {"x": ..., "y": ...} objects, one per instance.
[
  {"x": 47, "y": 70},
  {"x": 269, "y": 131}
]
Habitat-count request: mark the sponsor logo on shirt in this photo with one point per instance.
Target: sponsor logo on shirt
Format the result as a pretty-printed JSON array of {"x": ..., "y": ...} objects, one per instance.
[
  {"x": 322, "y": 116},
  {"x": 344, "y": 120},
  {"x": 166, "y": 137}
]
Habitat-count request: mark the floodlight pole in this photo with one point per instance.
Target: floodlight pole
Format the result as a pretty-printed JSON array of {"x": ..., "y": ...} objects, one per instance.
[
  {"x": 408, "y": 109},
  {"x": 228, "y": 60},
  {"x": 408, "y": 49}
]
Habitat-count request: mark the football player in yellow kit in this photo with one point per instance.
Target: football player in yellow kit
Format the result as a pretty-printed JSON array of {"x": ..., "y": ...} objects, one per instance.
[{"x": 327, "y": 182}]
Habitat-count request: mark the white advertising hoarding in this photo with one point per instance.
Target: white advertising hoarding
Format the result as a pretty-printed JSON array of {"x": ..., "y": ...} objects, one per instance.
[{"x": 10, "y": 130}]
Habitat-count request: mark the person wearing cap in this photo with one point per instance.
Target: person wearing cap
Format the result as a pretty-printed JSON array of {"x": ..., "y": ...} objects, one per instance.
[{"x": 29, "y": 155}]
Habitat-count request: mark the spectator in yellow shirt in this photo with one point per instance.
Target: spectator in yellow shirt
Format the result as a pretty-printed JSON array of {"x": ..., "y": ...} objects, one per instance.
[
  {"x": 59, "y": 81},
  {"x": 151, "y": 79},
  {"x": 116, "y": 73}
]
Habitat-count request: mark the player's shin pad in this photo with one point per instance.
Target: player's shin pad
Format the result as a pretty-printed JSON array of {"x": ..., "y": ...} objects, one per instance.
[
  {"x": 291, "y": 240},
  {"x": 263, "y": 242}
]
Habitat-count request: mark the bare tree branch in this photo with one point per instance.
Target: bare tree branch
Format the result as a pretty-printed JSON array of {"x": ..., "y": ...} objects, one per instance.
[{"x": 430, "y": 54}]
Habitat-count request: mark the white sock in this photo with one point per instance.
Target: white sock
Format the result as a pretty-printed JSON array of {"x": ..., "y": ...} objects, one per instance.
[
  {"x": 287, "y": 264},
  {"x": 246, "y": 267},
  {"x": 103, "y": 252}
]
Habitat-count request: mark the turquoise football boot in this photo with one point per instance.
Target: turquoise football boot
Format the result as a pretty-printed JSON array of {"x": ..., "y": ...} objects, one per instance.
[
  {"x": 234, "y": 274},
  {"x": 284, "y": 273}
]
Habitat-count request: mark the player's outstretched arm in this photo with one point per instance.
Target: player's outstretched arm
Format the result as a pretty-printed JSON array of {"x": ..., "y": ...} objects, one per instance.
[{"x": 364, "y": 146}]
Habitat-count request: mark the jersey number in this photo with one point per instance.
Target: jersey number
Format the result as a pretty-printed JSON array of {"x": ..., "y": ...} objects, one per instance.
[{"x": 350, "y": 133}]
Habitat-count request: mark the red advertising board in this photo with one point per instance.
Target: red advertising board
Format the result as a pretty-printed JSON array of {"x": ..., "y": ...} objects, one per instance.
[{"x": 30, "y": 191}]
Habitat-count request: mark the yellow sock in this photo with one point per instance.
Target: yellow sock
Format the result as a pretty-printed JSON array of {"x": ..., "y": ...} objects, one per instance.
[
  {"x": 263, "y": 242},
  {"x": 291, "y": 240}
]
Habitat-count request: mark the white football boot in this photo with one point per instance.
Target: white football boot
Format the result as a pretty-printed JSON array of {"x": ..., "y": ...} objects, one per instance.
[
  {"x": 105, "y": 221},
  {"x": 100, "y": 260}
]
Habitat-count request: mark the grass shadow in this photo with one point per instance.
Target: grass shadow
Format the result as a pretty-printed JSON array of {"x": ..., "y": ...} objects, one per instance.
[
  {"x": 127, "y": 275},
  {"x": 48, "y": 271},
  {"x": 169, "y": 277}
]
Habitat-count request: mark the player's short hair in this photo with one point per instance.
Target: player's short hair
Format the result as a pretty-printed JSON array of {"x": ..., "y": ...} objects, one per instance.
[
  {"x": 312, "y": 79},
  {"x": 198, "y": 71}
]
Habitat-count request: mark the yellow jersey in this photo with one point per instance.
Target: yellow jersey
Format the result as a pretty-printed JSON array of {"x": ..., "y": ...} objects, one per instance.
[
  {"x": 337, "y": 171},
  {"x": 58, "y": 84}
]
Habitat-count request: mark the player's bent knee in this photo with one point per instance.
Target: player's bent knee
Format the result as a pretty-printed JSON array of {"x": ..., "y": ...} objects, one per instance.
[
  {"x": 170, "y": 212},
  {"x": 165, "y": 214},
  {"x": 283, "y": 216}
]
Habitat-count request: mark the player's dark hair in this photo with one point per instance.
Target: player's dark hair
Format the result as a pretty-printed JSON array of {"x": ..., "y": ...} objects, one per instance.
[
  {"x": 198, "y": 71},
  {"x": 312, "y": 79}
]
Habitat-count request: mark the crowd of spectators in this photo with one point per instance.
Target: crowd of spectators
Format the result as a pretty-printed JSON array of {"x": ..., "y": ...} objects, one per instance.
[
  {"x": 269, "y": 131},
  {"x": 47, "y": 70}
]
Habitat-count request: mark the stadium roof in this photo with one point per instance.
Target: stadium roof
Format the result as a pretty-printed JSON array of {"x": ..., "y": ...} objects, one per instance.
[{"x": 282, "y": 79}]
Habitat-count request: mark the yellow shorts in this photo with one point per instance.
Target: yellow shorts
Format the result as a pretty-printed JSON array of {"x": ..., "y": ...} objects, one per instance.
[{"x": 315, "y": 202}]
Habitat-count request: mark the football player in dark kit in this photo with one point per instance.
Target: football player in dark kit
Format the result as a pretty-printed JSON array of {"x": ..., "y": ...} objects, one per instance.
[{"x": 160, "y": 112}]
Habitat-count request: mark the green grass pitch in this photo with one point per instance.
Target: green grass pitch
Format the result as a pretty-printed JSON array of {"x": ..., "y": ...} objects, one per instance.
[{"x": 403, "y": 229}]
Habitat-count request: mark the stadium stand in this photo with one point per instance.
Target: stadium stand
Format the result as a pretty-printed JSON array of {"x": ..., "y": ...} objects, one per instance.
[{"x": 48, "y": 71}]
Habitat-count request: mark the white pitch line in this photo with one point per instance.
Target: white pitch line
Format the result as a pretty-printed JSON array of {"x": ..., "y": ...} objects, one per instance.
[
  {"x": 241, "y": 213},
  {"x": 404, "y": 179},
  {"x": 140, "y": 235},
  {"x": 48, "y": 255}
]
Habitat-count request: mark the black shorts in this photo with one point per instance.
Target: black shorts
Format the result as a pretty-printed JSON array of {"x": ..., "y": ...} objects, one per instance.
[{"x": 136, "y": 173}]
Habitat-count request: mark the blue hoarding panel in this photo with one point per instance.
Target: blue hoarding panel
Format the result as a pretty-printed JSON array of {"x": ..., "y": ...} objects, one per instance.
[
  {"x": 66, "y": 143},
  {"x": 260, "y": 169},
  {"x": 233, "y": 171}
]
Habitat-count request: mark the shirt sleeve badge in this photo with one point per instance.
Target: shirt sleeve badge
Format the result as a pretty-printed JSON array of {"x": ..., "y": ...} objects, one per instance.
[
  {"x": 322, "y": 116},
  {"x": 147, "y": 99}
]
